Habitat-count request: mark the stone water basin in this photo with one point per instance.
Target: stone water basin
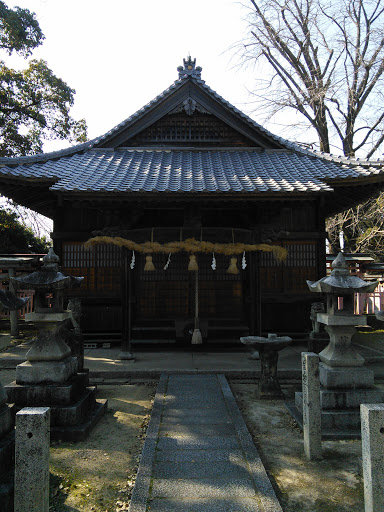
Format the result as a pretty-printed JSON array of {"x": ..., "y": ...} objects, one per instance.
[{"x": 268, "y": 349}]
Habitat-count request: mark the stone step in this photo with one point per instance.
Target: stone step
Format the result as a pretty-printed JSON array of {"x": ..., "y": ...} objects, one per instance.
[
  {"x": 326, "y": 432},
  {"x": 350, "y": 399},
  {"x": 345, "y": 399},
  {"x": 79, "y": 432},
  {"x": 334, "y": 419},
  {"x": 75, "y": 413}
]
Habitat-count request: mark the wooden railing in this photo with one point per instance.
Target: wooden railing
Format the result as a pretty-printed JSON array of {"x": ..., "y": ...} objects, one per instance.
[
  {"x": 366, "y": 303},
  {"x": 28, "y": 307}
]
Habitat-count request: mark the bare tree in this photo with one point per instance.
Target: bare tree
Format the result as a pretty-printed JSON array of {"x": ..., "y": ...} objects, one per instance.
[
  {"x": 363, "y": 228},
  {"x": 325, "y": 61}
]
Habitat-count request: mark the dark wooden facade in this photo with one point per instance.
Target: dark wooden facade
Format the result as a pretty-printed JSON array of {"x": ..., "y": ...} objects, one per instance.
[{"x": 268, "y": 296}]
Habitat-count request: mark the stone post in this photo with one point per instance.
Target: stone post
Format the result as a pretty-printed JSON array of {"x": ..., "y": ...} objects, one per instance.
[
  {"x": 32, "y": 460},
  {"x": 311, "y": 405},
  {"x": 13, "y": 314},
  {"x": 372, "y": 440}
]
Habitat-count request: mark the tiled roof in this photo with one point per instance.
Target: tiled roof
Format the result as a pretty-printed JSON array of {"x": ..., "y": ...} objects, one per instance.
[
  {"x": 183, "y": 171},
  {"x": 165, "y": 94}
]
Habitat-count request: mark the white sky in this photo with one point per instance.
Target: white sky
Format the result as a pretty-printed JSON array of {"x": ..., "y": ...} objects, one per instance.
[{"x": 119, "y": 55}]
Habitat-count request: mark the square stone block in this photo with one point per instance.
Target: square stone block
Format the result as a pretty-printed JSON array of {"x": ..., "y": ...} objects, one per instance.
[
  {"x": 45, "y": 372},
  {"x": 347, "y": 378}
]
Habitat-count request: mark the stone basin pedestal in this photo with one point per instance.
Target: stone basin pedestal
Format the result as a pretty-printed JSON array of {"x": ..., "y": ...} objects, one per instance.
[{"x": 268, "y": 349}]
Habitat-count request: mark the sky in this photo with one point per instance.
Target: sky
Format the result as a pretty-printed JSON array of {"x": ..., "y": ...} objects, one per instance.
[{"x": 118, "y": 55}]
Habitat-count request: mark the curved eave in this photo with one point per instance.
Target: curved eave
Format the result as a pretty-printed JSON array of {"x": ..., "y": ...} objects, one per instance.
[
  {"x": 31, "y": 193},
  {"x": 349, "y": 193},
  {"x": 91, "y": 195}
]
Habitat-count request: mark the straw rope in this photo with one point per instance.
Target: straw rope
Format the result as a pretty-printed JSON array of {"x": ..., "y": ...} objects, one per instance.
[{"x": 190, "y": 245}]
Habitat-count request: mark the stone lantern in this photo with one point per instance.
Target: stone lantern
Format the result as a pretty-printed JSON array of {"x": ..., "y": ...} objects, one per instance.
[
  {"x": 49, "y": 359},
  {"x": 50, "y": 376},
  {"x": 339, "y": 318},
  {"x": 344, "y": 382}
]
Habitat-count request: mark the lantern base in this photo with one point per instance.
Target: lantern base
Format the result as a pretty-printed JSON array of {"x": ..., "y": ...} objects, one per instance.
[
  {"x": 46, "y": 372},
  {"x": 74, "y": 408}
]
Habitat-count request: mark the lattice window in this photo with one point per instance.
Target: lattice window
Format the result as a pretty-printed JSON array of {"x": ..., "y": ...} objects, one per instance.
[
  {"x": 290, "y": 275},
  {"x": 100, "y": 267},
  {"x": 300, "y": 254},
  {"x": 196, "y": 129}
]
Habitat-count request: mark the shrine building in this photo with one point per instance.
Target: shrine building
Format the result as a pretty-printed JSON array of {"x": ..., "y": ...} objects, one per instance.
[{"x": 190, "y": 166}]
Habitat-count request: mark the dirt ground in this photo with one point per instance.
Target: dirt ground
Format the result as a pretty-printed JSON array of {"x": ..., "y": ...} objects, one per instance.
[
  {"x": 330, "y": 485},
  {"x": 98, "y": 474}
]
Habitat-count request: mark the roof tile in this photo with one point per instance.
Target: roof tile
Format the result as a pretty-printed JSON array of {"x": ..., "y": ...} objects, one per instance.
[{"x": 203, "y": 170}]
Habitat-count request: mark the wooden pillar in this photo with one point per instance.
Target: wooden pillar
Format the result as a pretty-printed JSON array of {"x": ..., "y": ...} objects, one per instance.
[
  {"x": 256, "y": 288},
  {"x": 13, "y": 314},
  {"x": 252, "y": 294},
  {"x": 320, "y": 249},
  {"x": 258, "y": 318},
  {"x": 58, "y": 226},
  {"x": 126, "y": 307}
]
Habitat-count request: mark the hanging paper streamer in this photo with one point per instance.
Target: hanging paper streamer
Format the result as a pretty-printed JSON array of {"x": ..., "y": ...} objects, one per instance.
[
  {"x": 168, "y": 262},
  {"x": 243, "y": 262},
  {"x": 133, "y": 259},
  {"x": 232, "y": 269},
  {"x": 149, "y": 266},
  {"x": 213, "y": 264}
]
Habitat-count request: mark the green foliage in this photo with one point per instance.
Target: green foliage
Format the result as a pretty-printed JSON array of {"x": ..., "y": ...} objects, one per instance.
[
  {"x": 34, "y": 103},
  {"x": 17, "y": 238},
  {"x": 19, "y": 30}
]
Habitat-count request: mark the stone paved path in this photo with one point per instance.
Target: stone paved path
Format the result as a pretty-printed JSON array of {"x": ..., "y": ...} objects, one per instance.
[{"x": 198, "y": 455}]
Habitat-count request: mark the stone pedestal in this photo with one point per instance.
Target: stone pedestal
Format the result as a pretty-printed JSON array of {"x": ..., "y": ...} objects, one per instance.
[
  {"x": 345, "y": 383},
  {"x": 342, "y": 391},
  {"x": 341, "y": 328},
  {"x": 268, "y": 350},
  {"x": 7, "y": 450},
  {"x": 49, "y": 379}
]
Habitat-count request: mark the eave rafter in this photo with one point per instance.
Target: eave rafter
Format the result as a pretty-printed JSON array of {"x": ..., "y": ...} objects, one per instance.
[{"x": 33, "y": 194}]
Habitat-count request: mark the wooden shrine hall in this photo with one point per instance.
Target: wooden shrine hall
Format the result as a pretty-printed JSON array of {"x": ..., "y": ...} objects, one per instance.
[{"x": 190, "y": 168}]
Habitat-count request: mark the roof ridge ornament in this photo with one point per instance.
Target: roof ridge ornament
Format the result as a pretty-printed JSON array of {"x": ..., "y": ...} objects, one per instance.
[{"x": 189, "y": 69}]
